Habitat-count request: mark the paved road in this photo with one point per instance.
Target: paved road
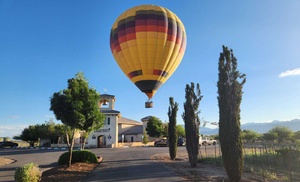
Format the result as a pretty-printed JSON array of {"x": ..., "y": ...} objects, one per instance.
[
  {"x": 44, "y": 158},
  {"x": 131, "y": 164},
  {"x": 121, "y": 164}
]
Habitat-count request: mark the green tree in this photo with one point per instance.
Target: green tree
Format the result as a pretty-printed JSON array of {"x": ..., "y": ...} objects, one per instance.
[
  {"x": 58, "y": 132},
  {"x": 173, "y": 137},
  {"x": 48, "y": 130},
  {"x": 230, "y": 86},
  {"x": 165, "y": 128},
  {"x": 249, "y": 135},
  {"x": 77, "y": 108},
  {"x": 283, "y": 133},
  {"x": 270, "y": 136},
  {"x": 180, "y": 131},
  {"x": 297, "y": 135},
  {"x": 29, "y": 134},
  {"x": 145, "y": 138},
  {"x": 192, "y": 122},
  {"x": 154, "y": 127}
]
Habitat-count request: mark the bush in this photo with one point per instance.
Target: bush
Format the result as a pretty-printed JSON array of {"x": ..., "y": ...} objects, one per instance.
[
  {"x": 78, "y": 156},
  {"x": 28, "y": 173}
]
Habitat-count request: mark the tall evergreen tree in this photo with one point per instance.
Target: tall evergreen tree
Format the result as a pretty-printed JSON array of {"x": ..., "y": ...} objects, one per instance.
[
  {"x": 173, "y": 138},
  {"x": 145, "y": 137},
  {"x": 230, "y": 86},
  {"x": 192, "y": 122}
]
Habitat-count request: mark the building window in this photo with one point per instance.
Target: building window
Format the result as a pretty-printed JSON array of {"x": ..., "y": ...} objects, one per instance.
[{"x": 108, "y": 121}]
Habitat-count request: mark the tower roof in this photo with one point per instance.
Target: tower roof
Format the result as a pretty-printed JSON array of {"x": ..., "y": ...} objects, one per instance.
[{"x": 107, "y": 95}]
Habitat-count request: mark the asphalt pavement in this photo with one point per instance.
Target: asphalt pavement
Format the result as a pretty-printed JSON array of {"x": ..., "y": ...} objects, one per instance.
[
  {"x": 119, "y": 164},
  {"x": 132, "y": 164}
]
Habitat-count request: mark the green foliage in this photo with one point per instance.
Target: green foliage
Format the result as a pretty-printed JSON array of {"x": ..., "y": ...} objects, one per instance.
[
  {"x": 145, "y": 138},
  {"x": 165, "y": 129},
  {"x": 173, "y": 137},
  {"x": 78, "y": 156},
  {"x": 77, "y": 108},
  {"x": 48, "y": 130},
  {"x": 154, "y": 127},
  {"x": 180, "y": 131},
  {"x": 229, "y": 100},
  {"x": 250, "y": 136},
  {"x": 30, "y": 134},
  {"x": 191, "y": 119},
  {"x": 283, "y": 133},
  {"x": 28, "y": 173},
  {"x": 270, "y": 136},
  {"x": 211, "y": 160},
  {"x": 288, "y": 152},
  {"x": 297, "y": 135}
]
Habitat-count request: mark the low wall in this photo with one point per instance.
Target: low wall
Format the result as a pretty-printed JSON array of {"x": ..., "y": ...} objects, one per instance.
[
  {"x": 64, "y": 145},
  {"x": 135, "y": 144}
]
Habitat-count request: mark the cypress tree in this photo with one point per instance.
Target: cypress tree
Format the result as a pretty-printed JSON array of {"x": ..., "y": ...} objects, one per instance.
[
  {"x": 191, "y": 119},
  {"x": 145, "y": 137},
  {"x": 230, "y": 86},
  {"x": 173, "y": 138}
]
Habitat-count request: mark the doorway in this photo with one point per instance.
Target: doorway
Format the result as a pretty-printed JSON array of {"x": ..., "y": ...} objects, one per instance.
[{"x": 101, "y": 141}]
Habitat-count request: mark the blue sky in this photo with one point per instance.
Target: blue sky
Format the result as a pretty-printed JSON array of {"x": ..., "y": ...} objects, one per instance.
[{"x": 44, "y": 43}]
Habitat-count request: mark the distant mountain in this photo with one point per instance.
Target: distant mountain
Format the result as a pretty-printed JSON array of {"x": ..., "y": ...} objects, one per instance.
[{"x": 294, "y": 125}]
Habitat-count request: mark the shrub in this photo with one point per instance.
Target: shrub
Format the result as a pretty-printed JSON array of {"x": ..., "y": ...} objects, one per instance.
[
  {"x": 78, "y": 156},
  {"x": 28, "y": 173}
]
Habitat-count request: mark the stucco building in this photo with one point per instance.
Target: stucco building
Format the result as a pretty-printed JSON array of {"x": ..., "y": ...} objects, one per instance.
[{"x": 116, "y": 129}]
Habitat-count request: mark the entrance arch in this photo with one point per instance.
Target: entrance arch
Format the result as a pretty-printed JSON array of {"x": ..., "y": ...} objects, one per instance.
[{"x": 101, "y": 141}]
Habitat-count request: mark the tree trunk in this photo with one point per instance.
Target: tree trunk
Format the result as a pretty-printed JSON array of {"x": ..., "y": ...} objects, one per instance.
[
  {"x": 82, "y": 146},
  {"x": 67, "y": 136},
  {"x": 71, "y": 147}
]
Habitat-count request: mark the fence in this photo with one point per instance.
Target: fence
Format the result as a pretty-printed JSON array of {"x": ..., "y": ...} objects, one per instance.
[{"x": 269, "y": 161}]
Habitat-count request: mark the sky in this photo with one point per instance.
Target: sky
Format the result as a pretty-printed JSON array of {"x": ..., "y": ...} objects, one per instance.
[{"x": 45, "y": 43}]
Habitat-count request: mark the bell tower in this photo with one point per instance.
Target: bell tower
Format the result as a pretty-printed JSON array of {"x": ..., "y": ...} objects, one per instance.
[
  {"x": 107, "y": 136},
  {"x": 107, "y": 102}
]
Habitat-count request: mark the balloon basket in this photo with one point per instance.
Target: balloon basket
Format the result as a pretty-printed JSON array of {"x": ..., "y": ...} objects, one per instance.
[{"x": 149, "y": 104}]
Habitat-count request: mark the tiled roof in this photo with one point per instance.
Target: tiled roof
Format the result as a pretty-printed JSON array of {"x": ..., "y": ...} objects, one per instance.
[
  {"x": 129, "y": 121},
  {"x": 135, "y": 130}
]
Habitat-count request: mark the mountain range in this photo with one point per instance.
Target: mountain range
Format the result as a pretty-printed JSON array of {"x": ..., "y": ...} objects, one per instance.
[{"x": 294, "y": 125}]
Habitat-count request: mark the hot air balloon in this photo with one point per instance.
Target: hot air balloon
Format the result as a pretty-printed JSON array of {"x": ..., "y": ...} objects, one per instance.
[{"x": 148, "y": 43}]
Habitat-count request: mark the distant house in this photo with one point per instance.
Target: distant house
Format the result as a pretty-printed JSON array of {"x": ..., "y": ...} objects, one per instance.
[{"x": 130, "y": 130}]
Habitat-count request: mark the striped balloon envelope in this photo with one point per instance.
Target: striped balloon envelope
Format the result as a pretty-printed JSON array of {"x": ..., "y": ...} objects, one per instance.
[{"x": 148, "y": 43}]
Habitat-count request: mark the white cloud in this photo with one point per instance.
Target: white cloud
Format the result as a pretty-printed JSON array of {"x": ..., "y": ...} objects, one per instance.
[
  {"x": 11, "y": 130},
  {"x": 293, "y": 72}
]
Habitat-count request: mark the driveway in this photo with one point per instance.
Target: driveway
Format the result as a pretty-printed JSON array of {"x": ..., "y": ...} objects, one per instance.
[
  {"x": 119, "y": 164},
  {"x": 44, "y": 158},
  {"x": 131, "y": 164}
]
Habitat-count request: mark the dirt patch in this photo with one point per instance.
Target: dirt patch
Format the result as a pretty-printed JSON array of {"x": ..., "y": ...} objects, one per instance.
[
  {"x": 203, "y": 172},
  {"x": 6, "y": 161},
  {"x": 74, "y": 173}
]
